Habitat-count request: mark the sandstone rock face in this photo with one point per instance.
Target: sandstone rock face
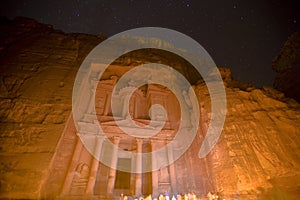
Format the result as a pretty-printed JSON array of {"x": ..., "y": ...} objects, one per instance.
[
  {"x": 287, "y": 65},
  {"x": 258, "y": 145},
  {"x": 257, "y": 155},
  {"x": 37, "y": 70}
]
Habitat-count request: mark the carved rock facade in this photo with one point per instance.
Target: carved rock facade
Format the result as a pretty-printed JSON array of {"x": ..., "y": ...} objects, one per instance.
[
  {"x": 42, "y": 157},
  {"x": 252, "y": 158}
]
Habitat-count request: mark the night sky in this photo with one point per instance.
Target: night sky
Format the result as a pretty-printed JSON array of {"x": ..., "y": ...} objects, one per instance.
[{"x": 244, "y": 35}]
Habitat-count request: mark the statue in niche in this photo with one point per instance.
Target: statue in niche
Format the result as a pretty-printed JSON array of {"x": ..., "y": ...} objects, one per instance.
[
  {"x": 132, "y": 107},
  {"x": 187, "y": 99},
  {"x": 164, "y": 175},
  {"x": 190, "y": 116},
  {"x": 125, "y": 103},
  {"x": 204, "y": 118},
  {"x": 80, "y": 179},
  {"x": 114, "y": 79}
]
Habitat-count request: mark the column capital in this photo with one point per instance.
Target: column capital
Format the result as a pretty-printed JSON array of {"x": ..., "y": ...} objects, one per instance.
[
  {"x": 139, "y": 143},
  {"x": 116, "y": 140},
  {"x": 152, "y": 141},
  {"x": 139, "y": 140}
]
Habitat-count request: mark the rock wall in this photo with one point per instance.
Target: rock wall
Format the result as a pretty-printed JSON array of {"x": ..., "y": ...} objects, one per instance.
[
  {"x": 37, "y": 69},
  {"x": 287, "y": 66},
  {"x": 257, "y": 154}
]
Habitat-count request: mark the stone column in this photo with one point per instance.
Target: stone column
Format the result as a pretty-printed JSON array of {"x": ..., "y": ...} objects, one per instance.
[
  {"x": 154, "y": 173},
  {"x": 138, "y": 181},
  {"x": 125, "y": 109},
  {"x": 72, "y": 167},
  {"x": 93, "y": 93},
  {"x": 95, "y": 165},
  {"x": 112, "y": 170},
  {"x": 107, "y": 104},
  {"x": 90, "y": 106},
  {"x": 172, "y": 169}
]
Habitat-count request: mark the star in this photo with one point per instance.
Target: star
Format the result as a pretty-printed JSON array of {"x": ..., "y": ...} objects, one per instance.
[{"x": 205, "y": 22}]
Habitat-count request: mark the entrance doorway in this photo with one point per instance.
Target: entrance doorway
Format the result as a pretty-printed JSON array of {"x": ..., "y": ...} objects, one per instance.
[{"x": 122, "y": 181}]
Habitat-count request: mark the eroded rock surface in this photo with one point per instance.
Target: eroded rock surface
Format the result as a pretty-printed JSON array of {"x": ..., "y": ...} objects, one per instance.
[{"x": 37, "y": 69}]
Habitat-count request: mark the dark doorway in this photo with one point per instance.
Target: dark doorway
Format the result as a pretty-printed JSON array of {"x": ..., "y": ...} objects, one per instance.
[{"x": 123, "y": 178}]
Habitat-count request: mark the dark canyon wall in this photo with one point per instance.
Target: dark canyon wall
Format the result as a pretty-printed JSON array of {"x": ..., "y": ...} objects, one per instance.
[{"x": 287, "y": 66}]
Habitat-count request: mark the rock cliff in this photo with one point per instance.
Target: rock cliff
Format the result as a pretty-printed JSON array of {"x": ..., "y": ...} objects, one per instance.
[
  {"x": 257, "y": 154},
  {"x": 287, "y": 66},
  {"x": 37, "y": 69}
]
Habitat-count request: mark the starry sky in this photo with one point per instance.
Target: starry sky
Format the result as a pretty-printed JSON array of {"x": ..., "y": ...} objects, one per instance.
[{"x": 244, "y": 35}]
